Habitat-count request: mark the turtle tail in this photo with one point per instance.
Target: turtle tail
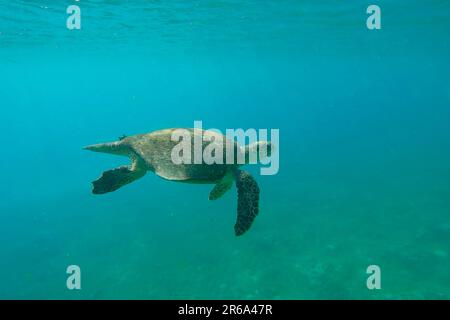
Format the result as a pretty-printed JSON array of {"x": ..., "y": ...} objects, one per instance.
[{"x": 116, "y": 147}]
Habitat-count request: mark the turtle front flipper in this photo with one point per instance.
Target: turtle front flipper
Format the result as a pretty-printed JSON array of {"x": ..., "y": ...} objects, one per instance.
[
  {"x": 112, "y": 180},
  {"x": 248, "y": 201},
  {"x": 221, "y": 187}
]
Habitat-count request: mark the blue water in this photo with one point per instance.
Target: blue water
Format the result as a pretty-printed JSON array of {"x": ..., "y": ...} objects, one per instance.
[{"x": 364, "y": 148}]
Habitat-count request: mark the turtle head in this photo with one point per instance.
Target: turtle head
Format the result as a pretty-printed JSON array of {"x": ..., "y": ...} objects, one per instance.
[{"x": 258, "y": 151}]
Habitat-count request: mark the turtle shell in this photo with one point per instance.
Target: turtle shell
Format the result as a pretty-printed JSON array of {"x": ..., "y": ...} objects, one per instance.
[{"x": 156, "y": 150}]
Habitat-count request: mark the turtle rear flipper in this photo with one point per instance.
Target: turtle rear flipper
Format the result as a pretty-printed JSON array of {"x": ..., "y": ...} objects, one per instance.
[
  {"x": 248, "y": 201},
  {"x": 112, "y": 180}
]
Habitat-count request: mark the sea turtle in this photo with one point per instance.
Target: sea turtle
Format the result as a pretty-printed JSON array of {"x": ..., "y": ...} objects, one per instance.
[{"x": 153, "y": 152}]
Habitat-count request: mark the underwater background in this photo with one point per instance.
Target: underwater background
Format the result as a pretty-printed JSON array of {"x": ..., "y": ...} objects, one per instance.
[{"x": 364, "y": 173}]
